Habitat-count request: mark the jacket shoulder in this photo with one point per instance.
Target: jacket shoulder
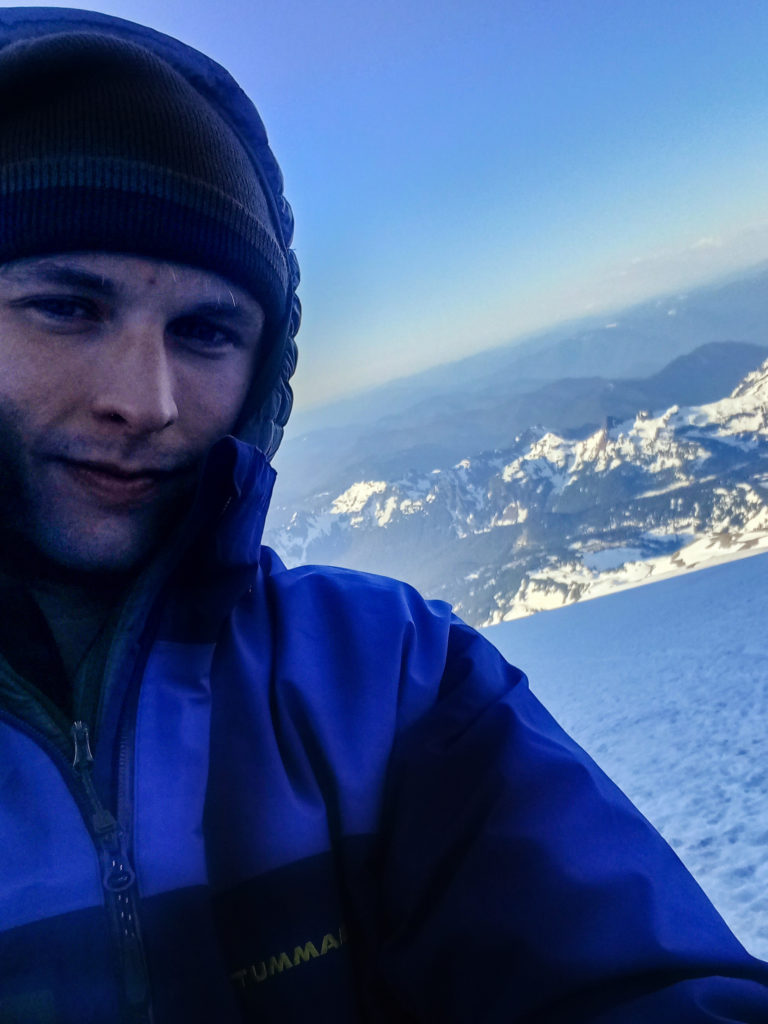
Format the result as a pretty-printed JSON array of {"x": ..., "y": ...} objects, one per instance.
[
  {"x": 372, "y": 602},
  {"x": 382, "y": 631}
]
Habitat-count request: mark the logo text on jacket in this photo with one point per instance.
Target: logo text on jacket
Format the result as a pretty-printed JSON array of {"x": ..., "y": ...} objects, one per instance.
[{"x": 260, "y": 971}]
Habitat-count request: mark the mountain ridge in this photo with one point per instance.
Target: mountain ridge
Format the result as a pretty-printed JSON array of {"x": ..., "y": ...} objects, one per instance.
[
  {"x": 731, "y": 306},
  {"x": 550, "y": 520}
]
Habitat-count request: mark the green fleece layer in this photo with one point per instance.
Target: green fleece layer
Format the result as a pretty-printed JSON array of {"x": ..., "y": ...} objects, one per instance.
[{"x": 34, "y": 682}]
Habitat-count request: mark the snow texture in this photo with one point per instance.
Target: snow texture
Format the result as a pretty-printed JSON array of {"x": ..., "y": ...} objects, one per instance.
[{"x": 666, "y": 686}]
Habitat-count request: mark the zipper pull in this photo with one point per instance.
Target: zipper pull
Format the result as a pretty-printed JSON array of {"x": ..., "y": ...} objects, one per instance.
[
  {"x": 103, "y": 822},
  {"x": 83, "y": 756},
  {"x": 118, "y": 873}
]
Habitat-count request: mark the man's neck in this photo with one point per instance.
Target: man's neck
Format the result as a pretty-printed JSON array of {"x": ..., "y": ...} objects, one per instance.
[
  {"x": 75, "y": 604},
  {"x": 76, "y": 610}
]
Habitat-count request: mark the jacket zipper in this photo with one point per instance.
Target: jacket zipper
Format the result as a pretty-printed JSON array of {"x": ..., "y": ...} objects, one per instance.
[
  {"x": 119, "y": 882},
  {"x": 118, "y": 875}
]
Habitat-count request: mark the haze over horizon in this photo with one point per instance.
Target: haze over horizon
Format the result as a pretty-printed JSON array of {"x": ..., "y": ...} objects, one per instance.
[
  {"x": 686, "y": 284},
  {"x": 463, "y": 175}
]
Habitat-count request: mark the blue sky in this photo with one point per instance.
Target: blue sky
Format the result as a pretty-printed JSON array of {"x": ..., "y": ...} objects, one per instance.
[{"x": 463, "y": 172}]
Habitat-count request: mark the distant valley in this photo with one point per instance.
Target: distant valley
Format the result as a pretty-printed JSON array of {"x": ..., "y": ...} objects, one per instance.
[{"x": 508, "y": 497}]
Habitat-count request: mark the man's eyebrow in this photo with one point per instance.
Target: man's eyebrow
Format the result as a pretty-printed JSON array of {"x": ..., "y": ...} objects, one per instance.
[
  {"x": 68, "y": 276},
  {"x": 57, "y": 273},
  {"x": 218, "y": 307},
  {"x": 228, "y": 308}
]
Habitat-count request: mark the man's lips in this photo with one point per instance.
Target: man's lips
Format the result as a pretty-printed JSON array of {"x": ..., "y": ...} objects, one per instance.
[
  {"x": 120, "y": 471},
  {"x": 115, "y": 484}
]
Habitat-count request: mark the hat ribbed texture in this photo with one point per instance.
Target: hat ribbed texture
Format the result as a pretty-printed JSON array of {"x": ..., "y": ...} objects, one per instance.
[{"x": 104, "y": 146}]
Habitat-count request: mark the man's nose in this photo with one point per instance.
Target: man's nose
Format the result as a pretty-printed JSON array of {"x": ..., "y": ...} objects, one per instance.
[{"x": 136, "y": 386}]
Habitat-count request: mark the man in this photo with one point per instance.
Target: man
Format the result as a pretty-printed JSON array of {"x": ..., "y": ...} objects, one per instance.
[{"x": 233, "y": 792}]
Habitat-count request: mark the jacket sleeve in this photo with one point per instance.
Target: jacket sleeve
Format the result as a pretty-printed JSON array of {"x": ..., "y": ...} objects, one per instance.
[{"x": 520, "y": 884}]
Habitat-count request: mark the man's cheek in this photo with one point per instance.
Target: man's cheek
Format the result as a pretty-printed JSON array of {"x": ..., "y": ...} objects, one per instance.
[{"x": 14, "y": 492}]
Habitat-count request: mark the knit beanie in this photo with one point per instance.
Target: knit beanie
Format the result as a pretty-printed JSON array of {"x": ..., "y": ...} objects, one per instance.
[{"x": 105, "y": 146}]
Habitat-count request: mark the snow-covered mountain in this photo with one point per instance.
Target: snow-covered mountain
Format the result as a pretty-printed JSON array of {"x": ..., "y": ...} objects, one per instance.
[
  {"x": 566, "y": 376},
  {"x": 442, "y": 427},
  {"x": 550, "y": 519}
]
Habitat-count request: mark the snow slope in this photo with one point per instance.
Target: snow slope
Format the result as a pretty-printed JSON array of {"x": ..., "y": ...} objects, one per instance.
[{"x": 666, "y": 686}]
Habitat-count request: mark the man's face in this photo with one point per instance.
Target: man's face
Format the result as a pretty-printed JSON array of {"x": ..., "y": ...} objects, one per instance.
[{"x": 117, "y": 373}]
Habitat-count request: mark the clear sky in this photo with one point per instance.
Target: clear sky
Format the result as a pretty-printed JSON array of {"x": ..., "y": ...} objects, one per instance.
[{"x": 467, "y": 170}]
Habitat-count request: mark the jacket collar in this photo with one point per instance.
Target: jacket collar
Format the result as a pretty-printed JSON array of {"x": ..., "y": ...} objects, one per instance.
[{"x": 232, "y": 502}]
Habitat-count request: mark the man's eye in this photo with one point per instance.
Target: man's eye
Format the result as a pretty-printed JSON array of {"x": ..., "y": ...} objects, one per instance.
[
  {"x": 202, "y": 334},
  {"x": 61, "y": 308}
]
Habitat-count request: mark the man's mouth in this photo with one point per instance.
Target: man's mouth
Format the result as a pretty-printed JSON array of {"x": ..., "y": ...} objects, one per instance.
[{"x": 115, "y": 484}]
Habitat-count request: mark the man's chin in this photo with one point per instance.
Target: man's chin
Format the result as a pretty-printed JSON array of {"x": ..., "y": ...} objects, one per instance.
[
  {"x": 48, "y": 558},
  {"x": 98, "y": 563},
  {"x": 55, "y": 529},
  {"x": 91, "y": 549}
]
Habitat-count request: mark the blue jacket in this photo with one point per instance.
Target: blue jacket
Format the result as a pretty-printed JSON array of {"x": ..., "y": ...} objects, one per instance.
[{"x": 316, "y": 796}]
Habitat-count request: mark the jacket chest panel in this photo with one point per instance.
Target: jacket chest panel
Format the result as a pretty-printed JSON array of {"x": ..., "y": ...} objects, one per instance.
[
  {"x": 171, "y": 767},
  {"x": 50, "y": 866}
]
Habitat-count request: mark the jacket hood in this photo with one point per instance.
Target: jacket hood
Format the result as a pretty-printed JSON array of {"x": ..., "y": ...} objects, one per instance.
[{"x": 269, "y": 400}]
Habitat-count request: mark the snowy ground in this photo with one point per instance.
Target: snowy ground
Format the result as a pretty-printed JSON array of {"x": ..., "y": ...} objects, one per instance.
[{"x": 666, "y": 686}]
